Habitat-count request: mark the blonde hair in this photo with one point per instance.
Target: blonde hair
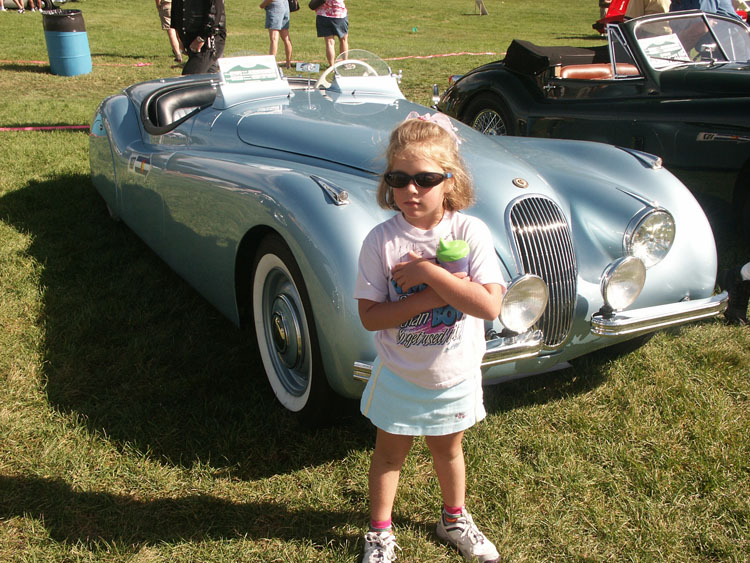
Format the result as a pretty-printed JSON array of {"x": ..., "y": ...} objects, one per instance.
[{"x": 418, "y": 138}]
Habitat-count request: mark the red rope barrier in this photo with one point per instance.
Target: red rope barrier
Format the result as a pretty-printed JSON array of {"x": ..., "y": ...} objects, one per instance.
[
  {"x": 94, "y": 64},
  {"x": 47, "y": 128}
]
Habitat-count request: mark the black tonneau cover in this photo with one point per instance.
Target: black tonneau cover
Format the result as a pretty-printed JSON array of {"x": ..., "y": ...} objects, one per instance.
[{"x": 527, "y": 58}]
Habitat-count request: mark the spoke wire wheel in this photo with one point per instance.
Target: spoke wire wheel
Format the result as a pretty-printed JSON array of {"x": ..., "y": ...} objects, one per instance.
[
  {"x": 281, "y": 326},
  {"x": 489, "y": 122}
]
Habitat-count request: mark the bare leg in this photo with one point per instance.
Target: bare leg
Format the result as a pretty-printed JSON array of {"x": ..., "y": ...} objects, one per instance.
[
  {"x": 385, "y": 469},
  {"x": 174, "y": 41},
  {"x": 330, "y": 50},
  {"x": 287, "y": 46},
  {"x": 344, "y": 44},
  {"x": 448, "y": 458},
  {"x": 273, "y": 35}
]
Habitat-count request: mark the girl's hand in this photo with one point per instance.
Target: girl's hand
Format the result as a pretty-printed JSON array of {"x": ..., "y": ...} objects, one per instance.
[
  {"x": 419, "y": 270},
  {"x": 412, "y": 273}
]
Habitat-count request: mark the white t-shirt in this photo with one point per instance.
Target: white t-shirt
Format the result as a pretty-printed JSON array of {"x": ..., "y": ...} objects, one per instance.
[{"x": 441, "y": 347}]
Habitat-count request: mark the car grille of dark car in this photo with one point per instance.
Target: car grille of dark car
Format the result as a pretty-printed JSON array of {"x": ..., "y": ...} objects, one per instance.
[{"x": 544, "y": 246}]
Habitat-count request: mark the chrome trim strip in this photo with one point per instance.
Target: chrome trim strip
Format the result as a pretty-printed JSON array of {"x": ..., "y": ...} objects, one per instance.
[
  {"x": 362, "y": 371},
  {"x": 641, "y": 321},
  {"x": 337, "y": 195},
  {"x": 509, "y": 349},
  {"x": 499, "y": 351}
]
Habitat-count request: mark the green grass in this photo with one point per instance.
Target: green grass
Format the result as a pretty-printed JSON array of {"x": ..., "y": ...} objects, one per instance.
[{"x": 136, "y": 424}]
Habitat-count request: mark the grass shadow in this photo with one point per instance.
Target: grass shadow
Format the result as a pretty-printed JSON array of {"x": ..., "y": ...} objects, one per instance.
[
  {"x": 129, "y": 345},
  {"x": 580, "y": 378},
  {"x": 30, "y": 67},
  {"x": 95, "y": 517}
]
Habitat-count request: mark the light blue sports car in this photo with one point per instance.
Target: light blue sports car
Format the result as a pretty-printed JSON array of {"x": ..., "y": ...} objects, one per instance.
[{"x": 259, "y": 190}]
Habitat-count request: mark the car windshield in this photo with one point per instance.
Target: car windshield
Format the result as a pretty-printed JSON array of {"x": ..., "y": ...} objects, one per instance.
[
  {"x": 361, "y": 63},
  {"x": 692, "y": 39}
]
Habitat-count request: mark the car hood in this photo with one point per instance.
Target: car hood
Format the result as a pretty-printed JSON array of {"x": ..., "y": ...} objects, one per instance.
[
  {"x": 721, "y": 79},
  {"x": 355, "y": 135},
  {"x": 316, "y": 126}
]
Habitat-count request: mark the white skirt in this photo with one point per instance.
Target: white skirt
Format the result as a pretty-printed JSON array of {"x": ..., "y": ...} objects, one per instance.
[{"x": 401, "y": 407}]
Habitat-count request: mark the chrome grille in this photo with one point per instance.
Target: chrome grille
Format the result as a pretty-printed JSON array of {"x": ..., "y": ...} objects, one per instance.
[{"x": 544, "y": 246}]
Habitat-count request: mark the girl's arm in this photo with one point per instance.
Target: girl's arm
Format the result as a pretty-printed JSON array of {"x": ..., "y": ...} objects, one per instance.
[
  {"x": 376, "y": 315},
  {"x": 471, "y": 298}
]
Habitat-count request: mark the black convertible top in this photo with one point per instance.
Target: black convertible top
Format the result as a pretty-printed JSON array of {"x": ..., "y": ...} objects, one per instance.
[{"x": 527, "y": 58}]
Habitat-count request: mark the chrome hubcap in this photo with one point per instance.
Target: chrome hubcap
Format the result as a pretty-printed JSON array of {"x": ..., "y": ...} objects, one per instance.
[{"x": 285, "y": 331}]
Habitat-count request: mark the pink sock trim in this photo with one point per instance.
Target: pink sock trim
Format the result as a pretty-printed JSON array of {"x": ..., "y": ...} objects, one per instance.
[
  {"x": 381, "y": 524},
  {"x": 453, "y": 510}
]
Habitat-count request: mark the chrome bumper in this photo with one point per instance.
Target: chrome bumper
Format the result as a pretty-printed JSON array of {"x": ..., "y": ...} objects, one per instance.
[
  {"x": 499, "y": 351},
  {"x": 640, "y": 321}
]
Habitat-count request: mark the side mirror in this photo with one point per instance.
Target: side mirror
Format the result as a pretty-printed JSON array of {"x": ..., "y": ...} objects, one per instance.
[{"x": 435, "y": 95}]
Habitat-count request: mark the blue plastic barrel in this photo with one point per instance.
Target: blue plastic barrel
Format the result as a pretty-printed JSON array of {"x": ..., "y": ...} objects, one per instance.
[{"x": 67, "y": 42}]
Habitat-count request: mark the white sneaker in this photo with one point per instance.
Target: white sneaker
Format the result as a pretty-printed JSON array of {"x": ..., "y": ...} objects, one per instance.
[
  {"x": 380, "y": 547},
  {"x": 465, "y": 535}
]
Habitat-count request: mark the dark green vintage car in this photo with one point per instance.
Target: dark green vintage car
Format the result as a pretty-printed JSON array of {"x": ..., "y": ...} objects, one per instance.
[{"x": 676, "y": 85}]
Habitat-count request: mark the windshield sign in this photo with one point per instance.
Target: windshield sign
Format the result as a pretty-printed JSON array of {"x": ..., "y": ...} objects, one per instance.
[{"x": 695, "y": 39}]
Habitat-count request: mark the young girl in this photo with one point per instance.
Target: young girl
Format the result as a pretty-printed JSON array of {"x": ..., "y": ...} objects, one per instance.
[{"x": 429, "y": 328}]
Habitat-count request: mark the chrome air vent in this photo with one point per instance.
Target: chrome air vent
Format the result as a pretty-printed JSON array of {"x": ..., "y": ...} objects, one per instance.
[{"x": 544, "y": 246}]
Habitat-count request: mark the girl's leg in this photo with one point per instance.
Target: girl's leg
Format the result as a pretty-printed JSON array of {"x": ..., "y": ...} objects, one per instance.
[
  {"x": 448, "y": 458},
  {"x": 456, "y": 525},
  {"x": 385, "y": 468},
  {"x": 287, "y": 46}
]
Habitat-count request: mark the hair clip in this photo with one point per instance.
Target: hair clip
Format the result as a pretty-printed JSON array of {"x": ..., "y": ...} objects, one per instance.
[{"x": 439, "y": 119}]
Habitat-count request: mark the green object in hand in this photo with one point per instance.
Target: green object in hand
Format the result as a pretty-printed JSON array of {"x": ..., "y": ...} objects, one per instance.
[{"x": 453, "y": 255}]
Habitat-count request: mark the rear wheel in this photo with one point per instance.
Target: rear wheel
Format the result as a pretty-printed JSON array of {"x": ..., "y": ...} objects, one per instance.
[
  {"x": 487, "y": 114},
  {"x": 285, "y": 331}
]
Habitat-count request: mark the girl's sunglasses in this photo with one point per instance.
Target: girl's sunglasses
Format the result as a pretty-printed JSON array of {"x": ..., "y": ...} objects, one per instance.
[{"x": 421, "y": 179}]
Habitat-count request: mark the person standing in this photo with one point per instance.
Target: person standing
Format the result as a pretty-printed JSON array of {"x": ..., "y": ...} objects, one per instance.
[
  {"x": 332, "y": 21},
  {"x": 736, "y": 282},
  {"x": 723, "y": 7},
  {"x": 201, "y": 27},
  {"x": 646, "y": 7},
  {"x": 165, "y": 15},
  {"x": 429, "y": 327},
  {"x": 277, "y": 24},
  {"x": 603, "y": 7}
]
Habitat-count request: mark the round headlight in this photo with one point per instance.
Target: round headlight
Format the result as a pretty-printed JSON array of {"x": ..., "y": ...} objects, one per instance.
[
  {"x": 524, "y": 302},
  {"x": 622, "y": 282},
  {"x": 650, "y": 236}
]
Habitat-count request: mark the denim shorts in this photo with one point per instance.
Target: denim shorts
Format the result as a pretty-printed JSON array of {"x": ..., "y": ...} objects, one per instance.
[
  {"x": 401, "y": 407},
  {"x": 328, "y": 27},
  {"x": 277, "y": 15}
]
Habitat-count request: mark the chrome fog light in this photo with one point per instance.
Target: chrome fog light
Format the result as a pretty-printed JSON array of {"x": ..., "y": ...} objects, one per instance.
[
  {"x": 622, "y": 282},
  {"x": 650, "y": 236},
  {"x": 523, "y": 303}
]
